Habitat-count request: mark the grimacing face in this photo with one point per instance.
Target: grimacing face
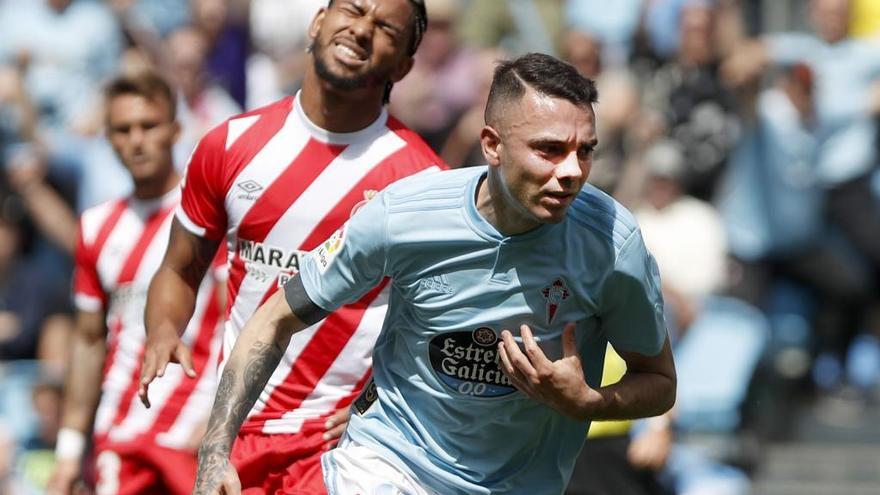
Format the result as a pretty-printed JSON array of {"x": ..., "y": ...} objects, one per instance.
[
  {"x": 142, "y": 133},
  {"x": 362, "y": 43},
  {"x": 544, "y": 155}
]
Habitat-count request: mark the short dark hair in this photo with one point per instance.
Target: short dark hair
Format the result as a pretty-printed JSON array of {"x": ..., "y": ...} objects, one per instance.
[
  {"x": 146, "y": 83},
  {"x": 543, "y": 73}
]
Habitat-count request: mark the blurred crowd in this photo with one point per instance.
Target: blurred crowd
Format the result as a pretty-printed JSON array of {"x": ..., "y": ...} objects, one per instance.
[{"x": 749, "y": 155}]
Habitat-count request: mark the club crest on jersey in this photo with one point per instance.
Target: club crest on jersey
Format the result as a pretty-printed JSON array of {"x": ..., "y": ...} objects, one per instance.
[
  {"x": 554, "y": 293},
  {"x": 327, "y": 251}
]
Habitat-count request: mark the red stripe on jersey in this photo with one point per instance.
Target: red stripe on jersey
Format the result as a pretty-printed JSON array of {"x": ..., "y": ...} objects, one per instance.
[
  {"x": 255, "y": 138},
  {"x": 332, "y": 336},
  {"x": 201, "y": 351},
  {"x": 126, "y": 275},
  {"x": 268, "y": 208},
  {"x": 107, "y": 228}
]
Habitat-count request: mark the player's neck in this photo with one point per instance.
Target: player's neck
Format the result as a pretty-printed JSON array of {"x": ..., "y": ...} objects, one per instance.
[
  {"x": 154, "y": 189},
  {"x": 338, "y": 111},
  {"x": 497, "y": 209}
]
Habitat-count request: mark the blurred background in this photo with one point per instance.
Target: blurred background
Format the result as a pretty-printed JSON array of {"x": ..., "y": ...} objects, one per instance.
[{"x": 742, "y": 133}]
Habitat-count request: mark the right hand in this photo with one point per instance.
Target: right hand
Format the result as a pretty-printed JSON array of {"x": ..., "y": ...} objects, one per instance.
[
  {"x": 162, "y": 348},
  {"x": 218, "y": 482},
  {"x": 65, "y": 475}
]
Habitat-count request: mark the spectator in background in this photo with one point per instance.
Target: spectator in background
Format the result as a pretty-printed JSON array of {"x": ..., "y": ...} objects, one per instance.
[
  {"x": 687, "y": 100},
  {"x": 514, "y": 26},
  {"x": 440, "y": 87},
  {"x": 202, "y": 103},
  {"x": 279, "y": 35},
  {"x": 847, "y": 72},
  {"x": 27, "y": 298},
  {"x": 119, "y": 246},
  {"x": 613, "y": 24},
  {"x": 773, "y": 201},
  {"x": 224, "y": 26}
]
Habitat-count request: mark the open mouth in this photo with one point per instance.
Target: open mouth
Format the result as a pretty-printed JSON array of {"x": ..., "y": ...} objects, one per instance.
[{"x": 350, "y": 55}]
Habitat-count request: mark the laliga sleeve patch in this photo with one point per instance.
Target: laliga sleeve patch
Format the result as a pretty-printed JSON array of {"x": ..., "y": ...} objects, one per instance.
[{"x": 329, "y": 249}]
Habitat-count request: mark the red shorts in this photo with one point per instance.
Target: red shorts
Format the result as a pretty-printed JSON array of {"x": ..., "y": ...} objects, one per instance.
[
  {"x": 143, "y": 469},
  {"x": 280, "y": 464}
]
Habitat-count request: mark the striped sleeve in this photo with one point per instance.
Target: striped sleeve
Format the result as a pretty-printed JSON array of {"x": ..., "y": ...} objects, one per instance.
[
  {"x": 202, "y": 210},
  {"x": 89, "y": 294}
]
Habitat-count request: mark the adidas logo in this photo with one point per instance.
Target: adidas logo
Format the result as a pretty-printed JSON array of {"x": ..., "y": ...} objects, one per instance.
[{"x": 436, "y": 283}]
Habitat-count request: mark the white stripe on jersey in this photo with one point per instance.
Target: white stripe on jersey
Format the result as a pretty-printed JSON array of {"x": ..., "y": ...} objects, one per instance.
[{"x": 237, "y": 127}]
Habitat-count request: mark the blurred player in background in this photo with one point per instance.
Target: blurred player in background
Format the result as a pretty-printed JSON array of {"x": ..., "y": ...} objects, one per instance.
[
  {"x": 119, "y": 247},
  {"x": 272, "y": 184},
  {"x": 481, "y": 261}
]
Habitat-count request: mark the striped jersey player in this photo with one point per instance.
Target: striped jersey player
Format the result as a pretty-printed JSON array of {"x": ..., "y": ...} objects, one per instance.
[
  {"x": 120, "y": 246},
  {"x": 273, "y": 185}
]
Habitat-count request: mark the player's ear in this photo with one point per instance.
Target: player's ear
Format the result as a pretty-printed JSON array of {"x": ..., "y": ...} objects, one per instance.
[
  {"x": 176, "y": 129},
  {"x": 490, "y": 142},
  {"x": 317, "y": 22}
]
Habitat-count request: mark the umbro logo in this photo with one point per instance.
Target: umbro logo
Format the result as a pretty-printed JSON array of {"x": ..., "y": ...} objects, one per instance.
[{"x": 250, "y": 187}]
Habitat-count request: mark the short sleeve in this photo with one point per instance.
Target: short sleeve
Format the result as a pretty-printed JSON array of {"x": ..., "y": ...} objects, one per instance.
[
  {"x": 88, "y": 293},
  {"x": 791, "y": 48},
  {"x": 631, "y": 311},
  {"x": 202, "y": 209},
  {"x": 351, "y": 262}
]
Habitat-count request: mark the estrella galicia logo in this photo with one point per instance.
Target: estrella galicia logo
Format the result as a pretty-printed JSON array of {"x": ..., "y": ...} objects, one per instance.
[
  {"x": 467, "y": 362},
  {"x": 250, "y": 188}
]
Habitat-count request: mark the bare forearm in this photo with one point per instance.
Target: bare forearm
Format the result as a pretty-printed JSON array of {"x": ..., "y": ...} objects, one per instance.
[
  {"x": 171, "y": 301},
  {"x": 255, "y": 356},
  {"x": 82, "y": 388},
  {"x": 53, "y": 216},
  {"x": 636, "y": 395}
]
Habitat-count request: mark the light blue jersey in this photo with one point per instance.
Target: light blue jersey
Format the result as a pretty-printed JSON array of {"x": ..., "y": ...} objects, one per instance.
[{"x": 445, "y": 412}]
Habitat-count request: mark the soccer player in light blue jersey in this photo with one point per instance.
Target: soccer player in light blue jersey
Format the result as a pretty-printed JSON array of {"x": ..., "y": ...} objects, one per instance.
[{"x": 507, "y": 283}]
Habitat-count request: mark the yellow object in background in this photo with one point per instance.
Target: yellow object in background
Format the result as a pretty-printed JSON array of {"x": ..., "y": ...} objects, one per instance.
[
  {"x": 612, "y": 372},
  {"x": 865, "y": 18}
]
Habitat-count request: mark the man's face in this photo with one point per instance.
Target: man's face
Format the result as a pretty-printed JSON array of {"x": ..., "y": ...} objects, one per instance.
[
  {"x": 142, "y": 134},
  {"x": 362, "y": 43},
  {"x": 544, "y": 152}
]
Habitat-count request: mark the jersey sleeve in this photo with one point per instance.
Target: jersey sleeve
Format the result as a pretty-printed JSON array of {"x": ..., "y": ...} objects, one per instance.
[
  {"x": 88, "y": 293},
  {"x": 632, "y": 303},
  {"x": 202, "y": 209},
  {"x": 352, "y": 261}
]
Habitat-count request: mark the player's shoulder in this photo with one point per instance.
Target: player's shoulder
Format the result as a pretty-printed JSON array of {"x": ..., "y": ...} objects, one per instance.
[
  {"x": 93, "y": 218},
  {"x": 430, "y": 189},
  {"x": 267, "y": 116},
  {"x": 595, "y": 212}
]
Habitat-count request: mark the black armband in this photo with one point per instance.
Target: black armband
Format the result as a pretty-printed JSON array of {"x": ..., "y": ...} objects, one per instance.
[{"x": 299, "y": 302}]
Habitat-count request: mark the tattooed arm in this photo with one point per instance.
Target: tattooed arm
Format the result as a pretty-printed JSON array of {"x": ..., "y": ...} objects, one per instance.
[
  {"x": 171, "y": 301},
  {"x": 255, "y": 356}
]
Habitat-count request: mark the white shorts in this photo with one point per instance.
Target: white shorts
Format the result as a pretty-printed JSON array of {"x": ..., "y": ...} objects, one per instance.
[{"x": 352, "y": 469}]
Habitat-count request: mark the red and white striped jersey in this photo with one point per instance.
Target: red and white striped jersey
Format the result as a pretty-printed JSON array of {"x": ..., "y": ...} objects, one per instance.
[
  {"x": 120, "y": 246},
  {"x": 275, "y": 185}
]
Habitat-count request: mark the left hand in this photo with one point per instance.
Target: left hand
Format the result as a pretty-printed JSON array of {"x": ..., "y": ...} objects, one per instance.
[
  {"x": 559, "y": 384},
  {"x": 336, "y": 424}
]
